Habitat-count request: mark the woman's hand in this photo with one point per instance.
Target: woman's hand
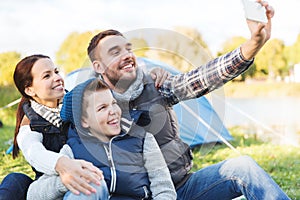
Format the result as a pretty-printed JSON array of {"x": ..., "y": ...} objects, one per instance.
[
  {"x": 77, "y": 174},
  {"x": 159, "y": 75}
]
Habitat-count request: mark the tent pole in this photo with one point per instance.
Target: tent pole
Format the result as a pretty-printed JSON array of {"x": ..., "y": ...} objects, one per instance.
[
  {"x": 213, "y": 130},
  {"x": 267, "y": 128},
  {"x": 11, "y": 104}
]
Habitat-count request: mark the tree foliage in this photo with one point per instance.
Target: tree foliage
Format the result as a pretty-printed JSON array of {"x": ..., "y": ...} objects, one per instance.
[
  {"x": 8, "y": 61},
  {"x": 73, "y": 51},
  {"x": 270, "y": 61},
  {"x": 231, "y": 44},
  {"x": 183, "y": 48},
  {"x": 292, "y": 52},
  {"x": 140, "y": 46}
]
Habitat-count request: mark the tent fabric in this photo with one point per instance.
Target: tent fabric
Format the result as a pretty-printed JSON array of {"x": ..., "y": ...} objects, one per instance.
[{"x": 192, "y": 131}]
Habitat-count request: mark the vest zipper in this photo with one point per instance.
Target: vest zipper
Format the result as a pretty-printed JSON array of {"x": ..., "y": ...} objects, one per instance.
[
  {"x": 113, "y": 172},
  {"x": 112, "y": 168},
  {"x": 146, "y": 192}
]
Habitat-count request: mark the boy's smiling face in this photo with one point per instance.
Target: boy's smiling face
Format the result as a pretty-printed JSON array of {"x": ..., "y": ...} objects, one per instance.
[{"x": 103, "y": 115}]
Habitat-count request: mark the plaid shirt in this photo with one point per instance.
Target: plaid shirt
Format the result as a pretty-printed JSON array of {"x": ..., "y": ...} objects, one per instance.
[{"x": 205, "y": 78}]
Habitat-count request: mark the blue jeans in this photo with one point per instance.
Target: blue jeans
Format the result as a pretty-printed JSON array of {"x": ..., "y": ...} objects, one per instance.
[
  {"x": 101, "y": 193},
  {"x": 14, "y": 186},
  {"x": 230, "y": 179}
]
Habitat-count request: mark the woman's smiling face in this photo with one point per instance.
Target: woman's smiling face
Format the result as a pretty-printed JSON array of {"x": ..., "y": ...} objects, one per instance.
[{"x": 47, "y": 84}]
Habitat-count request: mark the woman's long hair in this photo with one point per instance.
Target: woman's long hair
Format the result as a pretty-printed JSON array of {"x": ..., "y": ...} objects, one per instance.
[{"x": 23, "y": 79}]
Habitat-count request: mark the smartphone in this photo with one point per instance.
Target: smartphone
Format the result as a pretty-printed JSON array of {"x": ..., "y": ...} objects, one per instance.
[{"x": 254, "y": 11}]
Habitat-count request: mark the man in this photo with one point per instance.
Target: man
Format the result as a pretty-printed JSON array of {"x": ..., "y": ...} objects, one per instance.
[{"x": 112, "y": 58}]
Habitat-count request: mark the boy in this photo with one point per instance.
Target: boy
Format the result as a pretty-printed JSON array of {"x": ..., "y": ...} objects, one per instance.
[{"x": 129, "y": 157}]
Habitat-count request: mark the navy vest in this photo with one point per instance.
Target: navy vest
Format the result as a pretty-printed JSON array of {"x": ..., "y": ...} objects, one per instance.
[
  {"x": 53, "y": 137},
  {"x": 121, "y": 161}
]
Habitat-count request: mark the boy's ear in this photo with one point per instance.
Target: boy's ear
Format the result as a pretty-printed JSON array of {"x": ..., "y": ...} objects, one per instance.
[
  {"x": 84, "y": 123},
  {"x": 29, "y": 91},
  {"x": 98, "y": 67}
]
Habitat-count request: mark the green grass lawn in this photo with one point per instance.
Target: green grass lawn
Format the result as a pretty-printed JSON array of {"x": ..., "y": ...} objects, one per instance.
[{"x": 281, "y": 162}]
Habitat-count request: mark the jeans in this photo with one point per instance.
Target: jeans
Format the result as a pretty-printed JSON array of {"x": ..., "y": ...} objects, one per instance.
[
  {"x": 230, "y": 179},
  {"x": 14, "y": 186},
  {"x": 101, "y": 193}
]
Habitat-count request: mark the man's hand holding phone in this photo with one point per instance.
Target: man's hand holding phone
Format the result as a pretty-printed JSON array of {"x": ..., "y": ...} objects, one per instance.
[
  {"x": 258, "y": 15},
  {"x": 255, "y": 11}
]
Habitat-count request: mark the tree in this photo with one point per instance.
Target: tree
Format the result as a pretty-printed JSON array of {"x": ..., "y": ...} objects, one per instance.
[
  {"x": 183, "y": 48},
  {"x": 292, "y": 52},
  {"x": 73, "y": 51},
  {"x": 231, "y": 44},
  {"x": 8, "y": 62},
  {"x": 271, "y": 59},
  {"x": 140, "y": 46}
]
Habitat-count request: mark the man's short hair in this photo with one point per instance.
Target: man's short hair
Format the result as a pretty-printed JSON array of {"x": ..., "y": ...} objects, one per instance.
[{"x": 96, "y": 39}]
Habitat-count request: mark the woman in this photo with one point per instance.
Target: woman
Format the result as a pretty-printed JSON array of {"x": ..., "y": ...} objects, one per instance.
[{"x": 38, "y": 134}]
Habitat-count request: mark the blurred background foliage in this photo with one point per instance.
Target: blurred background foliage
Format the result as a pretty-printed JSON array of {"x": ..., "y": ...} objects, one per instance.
[{"x": 183, "y": 48}]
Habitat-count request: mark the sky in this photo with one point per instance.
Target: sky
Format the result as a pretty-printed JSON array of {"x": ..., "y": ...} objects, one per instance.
[{"x": 40, "y": 26}]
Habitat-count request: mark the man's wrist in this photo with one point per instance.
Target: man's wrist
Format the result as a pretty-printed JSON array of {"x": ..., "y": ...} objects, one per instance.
[{"x": 249, "y": 49}]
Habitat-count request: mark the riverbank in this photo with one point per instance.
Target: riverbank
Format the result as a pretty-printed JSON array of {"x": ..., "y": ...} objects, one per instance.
[{"x": 261, "y": 89}]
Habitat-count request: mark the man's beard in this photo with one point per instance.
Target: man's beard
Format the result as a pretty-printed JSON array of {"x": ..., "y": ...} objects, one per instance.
[{"x": 120, "y": 83}]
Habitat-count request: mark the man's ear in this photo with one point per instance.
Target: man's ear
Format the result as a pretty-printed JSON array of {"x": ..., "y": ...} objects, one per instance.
[
  {"x": 98, "y": 67},
  {"x": 84, "y": 123},
  {"x": 30, "y": 91}
]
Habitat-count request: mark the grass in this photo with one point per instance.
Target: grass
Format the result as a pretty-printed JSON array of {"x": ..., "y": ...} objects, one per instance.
[
  {"x": 7, "y": 116},
  {"x": 281, "y": 162},
  {"x": 7, "y": 164}
]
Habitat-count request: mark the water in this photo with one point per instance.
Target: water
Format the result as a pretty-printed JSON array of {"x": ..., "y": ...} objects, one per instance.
[
  {"x": 269, "y": 111},
  {"x": 275, "y": 118}
]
